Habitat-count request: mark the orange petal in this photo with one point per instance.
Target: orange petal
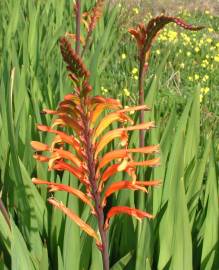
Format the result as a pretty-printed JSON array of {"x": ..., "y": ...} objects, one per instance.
[
  {"x": 109, "y": 119},
  {"x": 148, "y": 183},
  {"x": 73, "y": 98},
  {"x": 150, "y": 163},
  {"x": 73, "y": 37},
  {"x": 146, "y": 150},
  {"x": 70, "y": 107},
  {"x": 116, "y": 154},
  {"x": 60, "y": 187},
  {"x": 136, "y": 108},
  {"x": 68, "y": 155},
  {"x": 48, "y": 111},
  {"x": 38, "y": 146},
  {"x": 67, "y": 121},
  {"x": 109, "y": 172},
  {"x": 84, "y": 226},
  {"x": 98, "y": 104},
  {"x": 41, "y": 158},
  {"x": 55, "y": 141},
  {"x": 109, "y": 136},
  {"x": 147, "y": 125},
  {"x": 66, "y": 138},
  {"x": 61, "y": 165},
  {"x": 126, "y": 210},
  {"x": 99, "y": 99},
  {"x": 121, "y": 185}
]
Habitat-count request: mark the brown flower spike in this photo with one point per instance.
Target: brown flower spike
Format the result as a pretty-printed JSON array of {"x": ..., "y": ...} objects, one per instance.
[{"x": 145, "y": 35}]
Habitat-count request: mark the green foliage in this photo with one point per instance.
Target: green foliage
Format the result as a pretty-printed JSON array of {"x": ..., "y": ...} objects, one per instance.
[{"x": 184, "y": 234}]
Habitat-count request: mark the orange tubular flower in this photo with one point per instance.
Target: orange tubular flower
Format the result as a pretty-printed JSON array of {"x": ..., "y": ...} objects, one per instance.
[{"x": 81, "y": 152}]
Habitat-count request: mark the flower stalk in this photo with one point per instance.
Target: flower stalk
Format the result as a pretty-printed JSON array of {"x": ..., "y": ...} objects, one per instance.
[
  {"x": 82, "y": 152},
  {"x": 78, "y": 26},
  {"x": 94, "y": 191},
  {"x": 145, "y": 36}
]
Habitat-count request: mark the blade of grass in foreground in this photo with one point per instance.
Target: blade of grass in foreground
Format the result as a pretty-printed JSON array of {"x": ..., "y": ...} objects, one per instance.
[
  {"x": 173, "y": 248},
  {"x": 209, "y": 259}
]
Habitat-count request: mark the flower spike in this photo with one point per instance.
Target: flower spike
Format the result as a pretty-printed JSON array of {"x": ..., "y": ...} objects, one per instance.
[{"x": 79, "y": 142}]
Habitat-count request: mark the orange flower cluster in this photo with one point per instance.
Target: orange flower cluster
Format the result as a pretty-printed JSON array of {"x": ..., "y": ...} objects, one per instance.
[{"x": 83, "y": 151}]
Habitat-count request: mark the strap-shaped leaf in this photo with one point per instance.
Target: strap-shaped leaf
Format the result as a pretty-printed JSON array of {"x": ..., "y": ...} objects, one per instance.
[
  {"x": 126, "y": 210},
  {"x": 84, "y": 226}
]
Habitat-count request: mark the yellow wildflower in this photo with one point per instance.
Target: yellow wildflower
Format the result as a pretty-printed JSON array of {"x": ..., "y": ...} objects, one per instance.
[
  {"x": 123, "y": 56},
  {"x": 209, "y": 40},
  {"x": 197, "y": 49},
  {"x": 190, "y": 78},
  {"x": 182, "y": 65},
  {"x": 205, "y": 63},
  {"x": 134, "y": 70},
  {"x": 188, "y": 54},
  {"x": 216, "y": 58},
  {"x": 135, "y": 10},
  {"x": 136, "y": 77},
  {"x": 207, "y": 12},
  {"x": 200, "y": 98},
  {"x": 196, "y": 77},
  {"x": 205, "y": 78},
  {"x": 172, "y": 35},
  {"x": 204, "y": 90},
  {"x": 210, "y": 30},
  {"x": 158, "y": 52},
  {"x": 126, "y": 92}
]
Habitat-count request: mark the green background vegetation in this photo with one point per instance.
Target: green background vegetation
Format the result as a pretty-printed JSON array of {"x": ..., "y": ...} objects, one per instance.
[{"x": 182, "y": 90}]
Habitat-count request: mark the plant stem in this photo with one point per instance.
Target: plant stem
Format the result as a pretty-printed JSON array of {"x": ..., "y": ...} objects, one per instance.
[
  {"x": 142, "y": 71},
  {"x": 95, "y": 192},
  {"x": 78, "y": 26}
]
